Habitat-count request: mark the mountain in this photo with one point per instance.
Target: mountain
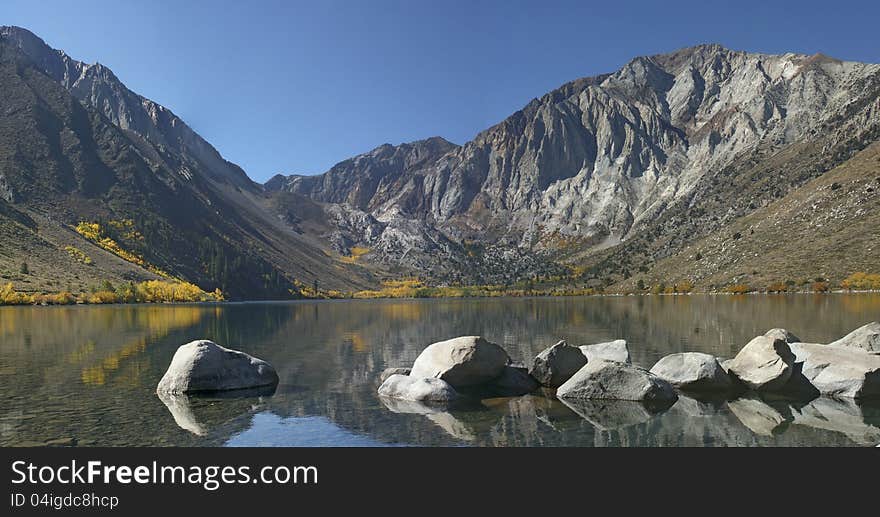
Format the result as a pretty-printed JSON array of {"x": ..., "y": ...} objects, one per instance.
[
  {"x": 612, "y": 173},
  {"x": 77, "y": 146},
  {"x": 611, "y": 181}
]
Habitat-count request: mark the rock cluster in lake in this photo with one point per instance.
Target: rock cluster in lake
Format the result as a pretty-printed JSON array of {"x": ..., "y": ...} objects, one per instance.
[{"x": 588, "y": 377}]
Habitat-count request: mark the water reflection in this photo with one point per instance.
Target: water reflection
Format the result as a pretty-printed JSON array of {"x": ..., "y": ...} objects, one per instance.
[{"x": 88, "y": 374}]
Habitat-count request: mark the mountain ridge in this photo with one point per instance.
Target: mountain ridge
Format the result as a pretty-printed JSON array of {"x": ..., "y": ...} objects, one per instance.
[{"x": 595, "y": 182}]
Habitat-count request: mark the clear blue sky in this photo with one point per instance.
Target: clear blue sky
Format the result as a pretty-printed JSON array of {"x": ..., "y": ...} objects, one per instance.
[{"x": 299, "y": 86}]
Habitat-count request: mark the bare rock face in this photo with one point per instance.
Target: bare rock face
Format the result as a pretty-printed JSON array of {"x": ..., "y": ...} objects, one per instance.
[
  {"x": 600, "y": 157},
  {"x": 693, "y": 371},
  {"x": 462, "y": 361},
  {"x": 556, "y": 364},
  {"x": 204, "y": 366},
  {"x": 865, "y": 338},
  {"x": 418, "y": 389},
  {"x": 764, "y": 364},
  {"x": 617, "y": 381}
]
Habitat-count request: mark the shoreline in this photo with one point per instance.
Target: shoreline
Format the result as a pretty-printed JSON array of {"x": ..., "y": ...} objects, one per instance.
[{"x": 420, "y": 298}]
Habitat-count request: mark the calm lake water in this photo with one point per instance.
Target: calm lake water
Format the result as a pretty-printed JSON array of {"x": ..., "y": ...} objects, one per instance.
[{"x": 87, "y": 375}]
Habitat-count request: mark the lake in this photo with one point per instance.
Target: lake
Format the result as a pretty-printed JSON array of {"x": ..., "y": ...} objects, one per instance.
[{"x": 86, "y": 375}]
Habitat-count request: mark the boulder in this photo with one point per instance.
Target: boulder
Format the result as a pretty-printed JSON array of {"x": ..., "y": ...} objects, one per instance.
[
  {"x": 513, "y": 382},
  {"x": 693, "y": 371},
  {"x": 601, "y": 379},
  {"x": 555, "y": 365},
  {"x": 611, "y": 351},
  {"x": 840, "y": 371},
  {"x": 205, "y": 366},
  {"x": 388, "y": 372},
  {"x": 764, "y": 364},
  {"x": 783, "y": 334},
  {"x": 418, "y": 389},
  {"x": 462, "y": 361},
  {"x": 866, "y": 338}
]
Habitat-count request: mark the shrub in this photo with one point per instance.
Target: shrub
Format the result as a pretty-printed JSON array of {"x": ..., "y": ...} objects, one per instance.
[
  {"x": 777, "y": 287},
  {"x": 861, "y": 281},
  {"x": 820, "y": 287},
  {"x": 738, "y": 289}
]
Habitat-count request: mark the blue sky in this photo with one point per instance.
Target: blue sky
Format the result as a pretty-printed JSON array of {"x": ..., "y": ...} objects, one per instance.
[{"x": 295, "y": 87}]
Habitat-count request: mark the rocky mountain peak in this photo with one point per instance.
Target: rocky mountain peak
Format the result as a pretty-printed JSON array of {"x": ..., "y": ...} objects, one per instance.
[{"x": 96, "y": 85}]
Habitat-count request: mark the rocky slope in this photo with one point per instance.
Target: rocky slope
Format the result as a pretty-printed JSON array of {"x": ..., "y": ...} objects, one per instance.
[
  {"x": 668, "y": 148},
  {"x": 77, "y": 145}
]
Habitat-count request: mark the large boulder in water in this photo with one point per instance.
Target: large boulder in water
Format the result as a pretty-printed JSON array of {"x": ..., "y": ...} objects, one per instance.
[
  {"x": 611, "y": 351},
  {"x": 462, "y": 361},
  {"x": 613, "y": 380},
  {"x": 865, "y": 338},
  {"x": 555, "y": 365},
  {"x": 693, "y": 371},
  {"x": 205, "y": 366},
  {"x": 840, "y": 371},
  {"x": 418, "y": 389},
  {"x": 764, "y": 364}
]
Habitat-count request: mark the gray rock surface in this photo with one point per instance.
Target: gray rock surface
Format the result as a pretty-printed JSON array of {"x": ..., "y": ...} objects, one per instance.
[
  {"x": 613, "y": 380},
  {"x": 418, "y": 389},
  {"x": 611, "y": 351},
  {"x": 556, "y": 364},
  {"x": 840, "y": 371},
  {"x": 764, "y": 364},
  {"x": 693, "y": 371},
  {"x": 204, "y": 366},
  {"x": 462, "y": 361},
  {"x": 865, "y": 338}
]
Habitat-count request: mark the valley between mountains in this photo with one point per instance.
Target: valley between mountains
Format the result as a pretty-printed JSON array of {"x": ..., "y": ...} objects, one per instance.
[{"x": 704, "y": 169}]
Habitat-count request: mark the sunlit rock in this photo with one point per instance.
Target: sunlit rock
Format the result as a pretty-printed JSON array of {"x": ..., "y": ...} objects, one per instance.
[{"x": 204, "y": 366}]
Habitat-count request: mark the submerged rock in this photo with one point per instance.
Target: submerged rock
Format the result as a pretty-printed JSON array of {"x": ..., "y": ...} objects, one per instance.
[
  {"x": 764, "y": 364},
  {"x": 462, "y": 361},
  {"x": 602, "y": 379},
  {"x": 388, "y": 372},
  {"x": 611, "y": 351},
  {"x": 419, "y": 389},
  {"x": 555, "y": 365},
  {"x": 865, "y": 338},
  {"x": 205, "y": 366},
  {"x": 608, "y": 415},
  {"x": 840, "y": 371},
  {"x": 513, "y": 382},
  {"x": 761, "y": 418},
  {"x": 838, "y": 415},
  {"x": 693, "y": 371}
]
